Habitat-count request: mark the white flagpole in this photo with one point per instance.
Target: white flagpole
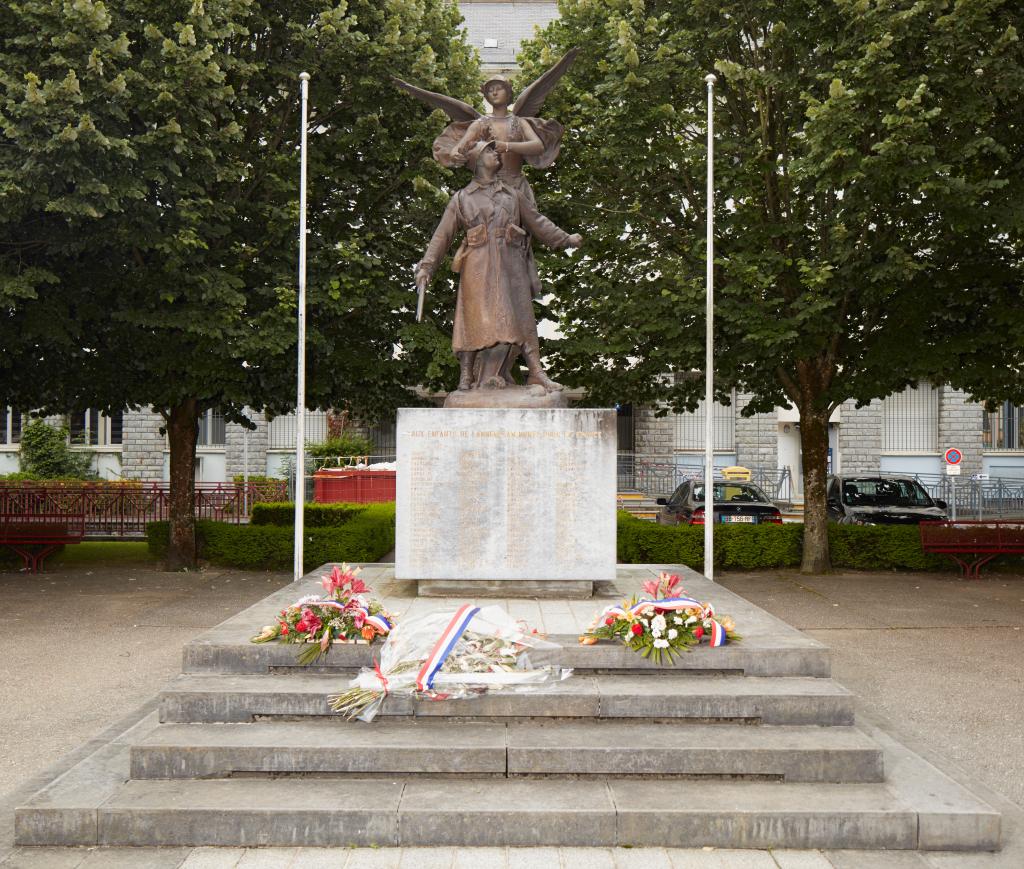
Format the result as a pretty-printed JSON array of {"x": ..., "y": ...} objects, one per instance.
[
  {"x": 300, "y": 399},
  {"x": 709, "y": 358}
]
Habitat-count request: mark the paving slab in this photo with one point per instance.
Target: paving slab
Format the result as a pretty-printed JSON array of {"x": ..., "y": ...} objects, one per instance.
[
  {"x": 761, "y": 815},
  {"x": 515, "y": 813},
  {"x": 211, "y": 697},
  {"x": 251, "y": 813},
  {"x": 318, "y": 747},
  {"x": 824, "y": 754}
]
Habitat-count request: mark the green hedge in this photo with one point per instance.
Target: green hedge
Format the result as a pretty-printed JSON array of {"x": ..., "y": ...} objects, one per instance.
[
  {"x": 316, "y": 515},
  {"x": 757, "y": 547},
  {"x": 365, "y": 537}
]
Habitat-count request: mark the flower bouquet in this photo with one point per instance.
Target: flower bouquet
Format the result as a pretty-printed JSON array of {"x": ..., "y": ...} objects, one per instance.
[
  {"x": 663, "y": 624},
  {"x": 345, "y": 614},
  {"x": 445, "y": 655}
]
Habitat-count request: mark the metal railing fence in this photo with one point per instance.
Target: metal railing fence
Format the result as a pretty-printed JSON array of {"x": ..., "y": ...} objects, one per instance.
[
  {"x": 976, "y": 498},
  {"x": 124, "y": 509},
  {"x": 658, "y": 476}
]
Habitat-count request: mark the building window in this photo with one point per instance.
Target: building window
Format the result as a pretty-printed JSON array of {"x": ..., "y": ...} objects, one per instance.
[
  {"x": 1004, "y": 429},
  {"x": 95, "y": 429},
  {"x": 689, "y": 428},
  {"x": 282, "y": 430},
  {"x": 212, "y": 429},
  {"x": 910, "y": 420},
  {"x": 10, "y": 426}
]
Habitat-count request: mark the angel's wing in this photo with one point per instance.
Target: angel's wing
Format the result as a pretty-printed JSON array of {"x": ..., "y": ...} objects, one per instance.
[
  {"x": 530, "y": 100},
  {"x": 457, "y": 110}
]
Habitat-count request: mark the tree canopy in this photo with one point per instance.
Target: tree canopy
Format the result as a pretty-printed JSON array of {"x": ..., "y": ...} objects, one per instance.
[
  {"x": 868, "y": 199},
  {"x": 149, "y": 201}
]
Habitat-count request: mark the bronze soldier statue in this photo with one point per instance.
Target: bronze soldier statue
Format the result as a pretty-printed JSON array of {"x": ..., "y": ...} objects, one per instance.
[{"x": 494, "y": 310}]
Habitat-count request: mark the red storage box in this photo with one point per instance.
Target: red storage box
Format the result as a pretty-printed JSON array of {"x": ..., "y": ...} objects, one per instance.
[{"x": 353, "y": 485}]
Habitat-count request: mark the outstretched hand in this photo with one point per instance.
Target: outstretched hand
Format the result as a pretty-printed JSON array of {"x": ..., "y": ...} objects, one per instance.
[
  {"x": 575, "y": 240},
  {"x": 422, "y": 279}
]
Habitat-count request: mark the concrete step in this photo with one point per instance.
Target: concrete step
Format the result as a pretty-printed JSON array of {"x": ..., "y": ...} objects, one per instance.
[
  {"x": 324, "y": 746},
  {"x": 425, "y": 811},
  {"x": 776, "y": 656},
  {"x": 783, "y": 700}
]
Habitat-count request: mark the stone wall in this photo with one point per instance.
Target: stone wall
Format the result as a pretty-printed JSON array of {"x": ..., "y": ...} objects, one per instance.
[
  {"x": 142, "y": 451},
  {"x": 960, "y": 426},
  {"x": 235, "y": 436},
  {"x": 860, "y": 438},
  {"x": 653, "y": 435},
  {"x": 757, "y": 436}
]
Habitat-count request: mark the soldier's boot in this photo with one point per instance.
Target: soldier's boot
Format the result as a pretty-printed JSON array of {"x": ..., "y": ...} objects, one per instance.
[
  {"x": 466, "y": 360},
  {"x": 537, "y": 377}
]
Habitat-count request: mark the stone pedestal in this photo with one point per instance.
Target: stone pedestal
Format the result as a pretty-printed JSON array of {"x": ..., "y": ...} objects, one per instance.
[{"x": 524, "y": 496}]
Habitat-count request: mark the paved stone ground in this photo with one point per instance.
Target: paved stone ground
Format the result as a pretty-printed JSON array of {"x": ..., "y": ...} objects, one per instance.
[{"x": 935, "y": 660}]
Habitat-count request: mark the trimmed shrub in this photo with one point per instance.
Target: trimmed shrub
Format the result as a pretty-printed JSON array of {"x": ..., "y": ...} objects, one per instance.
[
  {"x": 158, "y": 538},
  {"x": 759, "y": 547},
  {"x": 315, "y": 515},
  {"x": 365, "y": 537},
  {"x": 344, "y": 446}
]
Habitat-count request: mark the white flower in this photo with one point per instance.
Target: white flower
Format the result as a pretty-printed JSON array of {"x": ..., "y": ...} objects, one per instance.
[
  {"x": 655, "y": 632},
  {"x": 672, "y": 633},
  {"x": 677, "y": 620},
  {"x": 691, "y": 620},
  {"x": 661, "y": 644},
  {"x": 707, "y": 624},
  {"x": 658, "y": 622}
]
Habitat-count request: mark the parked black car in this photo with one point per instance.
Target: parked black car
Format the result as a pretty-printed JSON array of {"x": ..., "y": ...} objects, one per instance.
[
  {"x": 741, "y": 503},
  {"x": 881, "y": 500}
]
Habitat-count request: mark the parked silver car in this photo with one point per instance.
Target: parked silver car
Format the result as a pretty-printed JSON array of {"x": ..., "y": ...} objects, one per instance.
[{"x": 890, "y": 499}]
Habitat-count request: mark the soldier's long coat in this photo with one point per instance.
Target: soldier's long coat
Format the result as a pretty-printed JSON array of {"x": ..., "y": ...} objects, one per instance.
[{"x": 494, "y": 304}]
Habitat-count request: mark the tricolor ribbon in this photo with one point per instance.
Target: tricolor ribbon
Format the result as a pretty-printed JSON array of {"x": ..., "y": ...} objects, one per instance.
[
  {"x": 444, "y": 645},
  {"x": 379, "y": 622}
]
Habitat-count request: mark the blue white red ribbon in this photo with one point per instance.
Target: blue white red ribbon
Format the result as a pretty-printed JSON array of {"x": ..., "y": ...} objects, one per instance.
[{"x": 444, "y": 645}]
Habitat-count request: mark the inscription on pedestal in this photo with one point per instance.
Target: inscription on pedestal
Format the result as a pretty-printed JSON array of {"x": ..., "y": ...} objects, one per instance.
[{"x": 506, "y": 494}]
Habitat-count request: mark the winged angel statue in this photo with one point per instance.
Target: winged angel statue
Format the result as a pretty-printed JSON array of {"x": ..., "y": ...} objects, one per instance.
[{"x": 494, "y": 321}]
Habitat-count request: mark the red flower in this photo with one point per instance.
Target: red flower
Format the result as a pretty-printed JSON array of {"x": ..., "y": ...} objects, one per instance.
[
  {"x": 698, "y": 632},
  {"x": 284, "y": 630},
  {"x": 637, "y": 629},
  {"x": 610, "y": 620},
  {"x": 301, "y": 627}
]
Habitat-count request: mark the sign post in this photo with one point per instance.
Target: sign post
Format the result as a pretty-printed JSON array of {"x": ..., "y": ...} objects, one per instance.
[{"x": 953, "y": 457}]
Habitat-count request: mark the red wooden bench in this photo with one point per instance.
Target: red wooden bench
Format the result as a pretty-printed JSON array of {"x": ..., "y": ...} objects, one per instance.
[
  {"x": 21, "y": 531},
  {"x": 973, "y": 544}
]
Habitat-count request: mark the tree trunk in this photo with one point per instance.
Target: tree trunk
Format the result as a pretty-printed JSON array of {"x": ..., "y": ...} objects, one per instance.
[
  {"x": 814, "y": 445},
  {"x": 182, "y": 433}
]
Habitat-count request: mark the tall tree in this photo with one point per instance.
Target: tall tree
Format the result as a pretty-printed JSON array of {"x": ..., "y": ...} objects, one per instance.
[
  {"x": 149, "y": 205},
  {"x": 858, "y": 145}
]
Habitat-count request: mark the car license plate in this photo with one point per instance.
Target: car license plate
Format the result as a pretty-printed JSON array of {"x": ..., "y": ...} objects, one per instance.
[{"x": 738, "y": 519}]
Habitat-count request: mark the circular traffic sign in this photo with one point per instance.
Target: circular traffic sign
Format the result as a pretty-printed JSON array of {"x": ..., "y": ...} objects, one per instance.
[{"x": 953, "y": 456}]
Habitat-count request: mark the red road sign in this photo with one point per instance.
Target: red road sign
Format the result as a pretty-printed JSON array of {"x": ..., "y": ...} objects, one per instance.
[{"x": 953, "y": 456}]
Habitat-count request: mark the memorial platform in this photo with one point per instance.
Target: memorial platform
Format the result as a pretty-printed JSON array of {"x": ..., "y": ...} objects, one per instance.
[{"x": 751, "y": 745}]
